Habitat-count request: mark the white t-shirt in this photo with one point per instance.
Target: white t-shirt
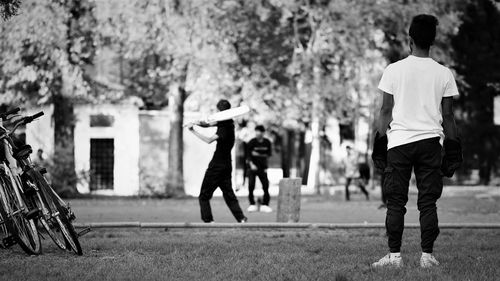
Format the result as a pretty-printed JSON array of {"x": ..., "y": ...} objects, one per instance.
[
  {"x": 351, "y": 165},
  {"x": 418, "y": 86}
]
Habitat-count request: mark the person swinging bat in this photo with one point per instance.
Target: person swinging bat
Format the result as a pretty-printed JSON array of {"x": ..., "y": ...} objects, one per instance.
[{"x": 218, "y": 173}]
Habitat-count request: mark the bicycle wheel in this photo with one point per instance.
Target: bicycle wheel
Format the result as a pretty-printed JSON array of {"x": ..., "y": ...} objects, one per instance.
[
  {"x": 59, "y": 212},
  {"x": 24, "y": 231},
  {"x": 48, "y": 223}
]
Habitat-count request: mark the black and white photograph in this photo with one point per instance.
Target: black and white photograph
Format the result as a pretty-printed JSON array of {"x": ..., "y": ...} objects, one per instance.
[{"x": 343, "y": 140}]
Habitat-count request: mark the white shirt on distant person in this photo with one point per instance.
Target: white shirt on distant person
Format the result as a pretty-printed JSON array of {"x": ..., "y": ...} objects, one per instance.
[
  {"x": 418, "y": 85},
  {"x": 351, "y": 165}
]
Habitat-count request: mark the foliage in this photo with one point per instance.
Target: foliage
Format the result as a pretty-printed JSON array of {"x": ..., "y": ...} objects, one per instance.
[
  {"x": 60, "y": 173},
  {"x": 282, "y": 44},
  {"x": 160, "y": 43},
  {"x": 35, "y": 60},
  {"x": 9, "y": 8},
  {"x": 477, "y": 52},
  {"x": 45, "y": 54}
]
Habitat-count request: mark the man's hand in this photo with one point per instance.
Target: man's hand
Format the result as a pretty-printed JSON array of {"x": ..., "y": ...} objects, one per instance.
[
  {"x": 255, "y": 153},
  {"x": 379, "y": 154},
  {"x": 190, "y": 126},
  {"x": 452, "y": 157},
  {"x": 12, "y": 119},
  {"x": 205, "y": 123}
]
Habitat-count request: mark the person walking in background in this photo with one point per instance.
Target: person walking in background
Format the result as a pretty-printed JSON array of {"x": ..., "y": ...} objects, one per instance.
[
  {"x": 39, "y": 159},
  {"x": 415, "y": 119},
  {"x": 219, "y": 170},
  {"x": 259, "y": 149},
  {"x": 352, "y": 173}
]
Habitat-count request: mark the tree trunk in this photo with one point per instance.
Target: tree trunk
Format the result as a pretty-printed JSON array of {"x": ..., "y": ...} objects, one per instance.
[
  {"x": 63, "y": 173},
  {"x": 300, "y": 148},
  {"x": 285, "y": 153},
  {"x": 175, "y": 174},
  {"x": 314, "y": 164}
]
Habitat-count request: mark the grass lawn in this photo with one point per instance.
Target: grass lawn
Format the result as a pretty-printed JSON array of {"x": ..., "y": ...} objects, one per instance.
[
  {"x": 246, "y": 254},
  {"x": 465, "y": 208}
]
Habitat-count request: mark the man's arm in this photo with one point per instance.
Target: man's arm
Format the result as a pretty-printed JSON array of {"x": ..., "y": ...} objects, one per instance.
[
  {"x": 453, "y": 158},
  {"x": 202, "y": 137},
  {"x": 449, "y": 126},
  {"x": 262, "y": 154},
  {"x": 385, "y": 113}
]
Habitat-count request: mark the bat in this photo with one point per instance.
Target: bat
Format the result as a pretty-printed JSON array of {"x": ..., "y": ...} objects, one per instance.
[
  {"x": 224, "y": 115},
  {"x": 228, "y": 114}
]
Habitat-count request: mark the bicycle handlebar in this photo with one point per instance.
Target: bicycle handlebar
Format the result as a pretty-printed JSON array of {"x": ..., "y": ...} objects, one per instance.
[
  {"x": 22, "y": 121},
  {"x": 30, "y": 119},
  {"x": 10, "y": 112}
]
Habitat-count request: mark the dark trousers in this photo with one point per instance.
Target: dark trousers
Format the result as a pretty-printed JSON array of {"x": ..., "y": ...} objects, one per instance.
[
  {"x": 218, "y": 176},
  {"x": 262, "y": 174},
  {"x": 361, "y": 186},
  {"x": 425, "y": 158}
]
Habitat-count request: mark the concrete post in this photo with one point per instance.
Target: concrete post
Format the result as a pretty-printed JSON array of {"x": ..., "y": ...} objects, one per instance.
[{"x": 289, "y": 200}]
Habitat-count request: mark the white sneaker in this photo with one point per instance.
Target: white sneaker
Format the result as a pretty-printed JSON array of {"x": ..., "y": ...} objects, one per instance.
[
  {"x": 252, "y": 208},
  {"x": 265, "y": 209},
  {"x": 428, "y": 260},
  {"x": 388, "y": 261}
]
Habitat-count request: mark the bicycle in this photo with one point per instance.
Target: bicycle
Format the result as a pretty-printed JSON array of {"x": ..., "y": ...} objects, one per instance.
[
  {"x": 52, "y": 212},
  {"x": 14, "y": 209}
]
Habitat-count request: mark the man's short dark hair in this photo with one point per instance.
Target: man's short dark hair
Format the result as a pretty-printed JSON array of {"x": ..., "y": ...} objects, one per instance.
[
  {"x": 260, "y": 128},
  {"x": 423, "y": 30},
  {"x": 223, "y": 105}
]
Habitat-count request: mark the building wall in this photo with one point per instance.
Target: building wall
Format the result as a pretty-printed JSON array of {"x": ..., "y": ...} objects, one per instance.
[
  {"x": 40, "y": 133},
  {"x": 197, "y": 155},
  {"x": 125, "y": 132},
  {"x": 153, "y": 151}
]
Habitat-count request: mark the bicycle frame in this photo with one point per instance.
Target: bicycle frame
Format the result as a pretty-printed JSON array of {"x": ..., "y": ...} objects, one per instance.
[
  {"x": 27, "y": 180},
  {"x": 23, "y": 165},
  {"x": 12, "y": 171},
  {"x": 15, "y": 168}
]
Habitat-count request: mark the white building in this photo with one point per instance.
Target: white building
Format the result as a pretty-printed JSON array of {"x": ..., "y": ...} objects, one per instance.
[{"x": 121, "y": 150}]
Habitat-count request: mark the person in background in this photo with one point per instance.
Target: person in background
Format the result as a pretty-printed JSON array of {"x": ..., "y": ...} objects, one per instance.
[
  {"x": 39, "y": 159},
  {"x": 352, "y": 173},
  {"x": 258, "y": 151}
]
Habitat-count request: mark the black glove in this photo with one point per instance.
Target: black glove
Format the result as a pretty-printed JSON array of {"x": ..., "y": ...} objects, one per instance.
[
  {"x": 452, "y": 157},
  {"x": 379, "y": 154}
]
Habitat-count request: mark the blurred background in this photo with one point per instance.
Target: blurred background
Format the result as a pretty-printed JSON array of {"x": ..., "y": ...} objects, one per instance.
[{"x": 117, "y": 79}]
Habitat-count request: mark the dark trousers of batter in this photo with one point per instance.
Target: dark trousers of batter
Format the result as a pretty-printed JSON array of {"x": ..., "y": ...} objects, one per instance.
[
  {"x": 425, "y": 158},
  {"x": 262, "y": 174},
  {"x": 218, "y": 176}
]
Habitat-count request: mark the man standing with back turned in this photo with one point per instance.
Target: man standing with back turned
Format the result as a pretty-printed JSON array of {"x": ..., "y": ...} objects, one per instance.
[{"x": 417, "y": 114}]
